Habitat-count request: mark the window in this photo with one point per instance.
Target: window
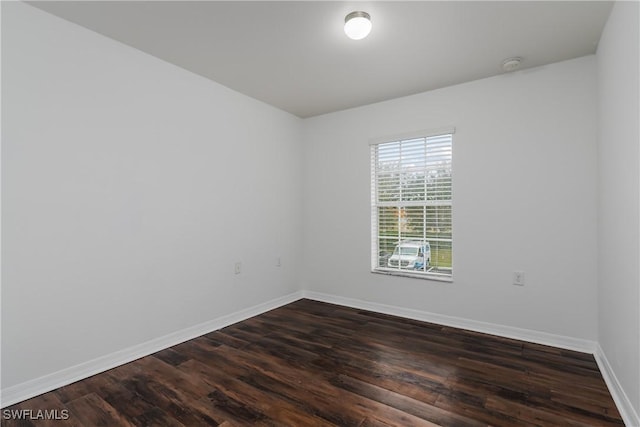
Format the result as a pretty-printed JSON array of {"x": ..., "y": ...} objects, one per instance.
[{"x": 411, "y": 206}]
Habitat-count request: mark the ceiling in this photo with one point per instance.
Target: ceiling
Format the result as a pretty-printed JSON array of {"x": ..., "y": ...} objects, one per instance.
[{"x": 296, "y": 57}]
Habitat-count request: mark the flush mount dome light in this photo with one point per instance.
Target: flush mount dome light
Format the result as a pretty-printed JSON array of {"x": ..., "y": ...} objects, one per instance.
[{"x": 357, "y": 25}]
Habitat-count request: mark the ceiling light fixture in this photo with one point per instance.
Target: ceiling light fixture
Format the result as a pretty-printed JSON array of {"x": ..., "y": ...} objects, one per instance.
[
  {"x": 357, "y": 25},
  {"x": 511, "y": 64}
]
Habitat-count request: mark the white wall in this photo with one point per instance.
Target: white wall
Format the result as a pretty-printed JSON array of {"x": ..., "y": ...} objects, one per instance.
[
  {"x": 524, "y": 184},
  {"x": 618, "y": 61},
  {"x": 130, "y": 188}
]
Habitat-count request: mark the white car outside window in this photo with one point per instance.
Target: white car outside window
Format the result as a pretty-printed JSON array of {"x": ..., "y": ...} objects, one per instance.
[{"x": 410, "y": 255}]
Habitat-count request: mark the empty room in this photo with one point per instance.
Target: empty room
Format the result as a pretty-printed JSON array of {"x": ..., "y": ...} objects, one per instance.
[{"x": 318, "y": 213}]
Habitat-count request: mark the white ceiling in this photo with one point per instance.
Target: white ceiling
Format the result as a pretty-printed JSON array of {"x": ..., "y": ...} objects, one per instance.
[{"x": 295, "y": 55}]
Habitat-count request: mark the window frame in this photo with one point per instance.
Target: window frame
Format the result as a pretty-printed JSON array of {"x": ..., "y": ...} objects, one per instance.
[{"x": 374, "y": 205}]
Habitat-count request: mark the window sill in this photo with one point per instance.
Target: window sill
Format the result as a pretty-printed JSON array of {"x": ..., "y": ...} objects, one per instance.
[{"x": 423, "y": 276}]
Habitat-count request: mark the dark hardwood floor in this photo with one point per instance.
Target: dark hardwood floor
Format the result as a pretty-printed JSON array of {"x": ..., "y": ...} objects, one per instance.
[{"x": 317, "y": 364}]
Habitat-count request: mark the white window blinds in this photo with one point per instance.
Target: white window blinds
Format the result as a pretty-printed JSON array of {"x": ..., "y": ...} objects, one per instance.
[{"x": 411, "y": 206}]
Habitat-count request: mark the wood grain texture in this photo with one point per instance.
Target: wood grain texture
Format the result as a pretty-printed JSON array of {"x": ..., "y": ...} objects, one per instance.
[{"x": 317, "y": 364}]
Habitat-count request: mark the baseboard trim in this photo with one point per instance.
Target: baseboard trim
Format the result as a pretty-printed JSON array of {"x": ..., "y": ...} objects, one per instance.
[
  {"x": 37, "y": 386},
  {"x": 628, "y": 413},
  {"x": 569, "y": 343}
]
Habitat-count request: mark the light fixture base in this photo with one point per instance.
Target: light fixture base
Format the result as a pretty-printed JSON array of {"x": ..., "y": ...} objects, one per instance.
[{"x": 357, "y": 14}]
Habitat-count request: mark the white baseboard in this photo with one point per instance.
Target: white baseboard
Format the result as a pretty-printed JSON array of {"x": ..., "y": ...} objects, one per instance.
[
  {"x": 628, "y": 413},
  {"x": 37, "y": 386},
  {"x": 569, "y": 343}
]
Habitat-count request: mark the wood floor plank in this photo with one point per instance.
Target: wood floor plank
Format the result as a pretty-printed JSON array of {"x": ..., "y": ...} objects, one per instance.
[
  {"x": 404, "y": 403},
  {"x": 316, "y": 394},
  {"x": 92, "y": 410},
  {"x": 533, "y": 415},
  {"x": 236, "y": 395},
  {"x": 318, "y": 364},
  {"x": 127, "y": 401}
]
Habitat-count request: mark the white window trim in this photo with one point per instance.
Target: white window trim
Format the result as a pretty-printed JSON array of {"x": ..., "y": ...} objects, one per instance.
[
  {"x": 375, "y": 269},
  {"x": 411, "y": 135},
  {"x": 422, "y": 276}
]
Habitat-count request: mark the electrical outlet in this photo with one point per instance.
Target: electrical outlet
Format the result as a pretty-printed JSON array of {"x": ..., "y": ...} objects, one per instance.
[
  {"x": 238, "y": 267},
  {"x": 518, "y": 278}
]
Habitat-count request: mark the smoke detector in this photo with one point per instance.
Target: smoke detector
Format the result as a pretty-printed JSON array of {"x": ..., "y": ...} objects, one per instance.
[{"x": 511, "y": 64}]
